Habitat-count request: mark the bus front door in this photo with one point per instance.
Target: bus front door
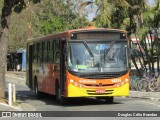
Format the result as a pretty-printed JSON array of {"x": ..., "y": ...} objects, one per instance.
[
  {"x": 62, "y": 67},
  {"x": 30, "y": 65}
]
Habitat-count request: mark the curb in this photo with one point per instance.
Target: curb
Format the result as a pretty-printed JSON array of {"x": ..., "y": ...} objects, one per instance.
[{"x": 13, "y": 107}]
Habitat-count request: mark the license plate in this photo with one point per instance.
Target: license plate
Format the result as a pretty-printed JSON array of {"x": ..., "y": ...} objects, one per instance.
[{"x": 100, "y": 91}]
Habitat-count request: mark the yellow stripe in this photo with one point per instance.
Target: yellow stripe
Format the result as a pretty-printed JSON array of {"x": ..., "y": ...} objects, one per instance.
[{"x": 74, "y": 91}]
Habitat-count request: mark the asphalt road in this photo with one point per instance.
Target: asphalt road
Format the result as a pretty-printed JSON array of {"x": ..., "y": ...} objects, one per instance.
[{"x": 28, "y": 102}]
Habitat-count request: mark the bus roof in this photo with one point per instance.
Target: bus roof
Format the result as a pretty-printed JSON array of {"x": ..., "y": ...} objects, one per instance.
[{"x": 90, "y": 28}]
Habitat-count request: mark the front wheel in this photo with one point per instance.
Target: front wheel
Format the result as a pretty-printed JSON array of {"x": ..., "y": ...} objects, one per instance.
[
  {"x": 59, "y": 98},
  {"x": 38, "y": 94}
]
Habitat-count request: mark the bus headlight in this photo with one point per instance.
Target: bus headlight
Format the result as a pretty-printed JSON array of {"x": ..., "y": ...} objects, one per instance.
[
  {"x": 126, "y": 80},
  {"x": 71, "y": 80}
]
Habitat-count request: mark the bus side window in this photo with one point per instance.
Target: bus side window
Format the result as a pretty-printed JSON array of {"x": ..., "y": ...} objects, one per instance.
[
  {"x": 44, "y": 55},
  {"x": 57, "y": 46},
  {"x": 39, "y": 52},
  {"x": 56, "y": 51},
  {"x": 53, "y": 42},
  {"x": 34, "y": 53},
  {"x": 48, "y": 52},
  {"x": 57, "y": 57}
]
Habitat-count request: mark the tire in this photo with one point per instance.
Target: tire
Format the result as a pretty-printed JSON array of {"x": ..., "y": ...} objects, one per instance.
[
  {"x": 59, "y": 98},
  {"x": 38, "y": 94},
  {"x": 153, "y": 85},
  {"x": 143, "y": 85}
]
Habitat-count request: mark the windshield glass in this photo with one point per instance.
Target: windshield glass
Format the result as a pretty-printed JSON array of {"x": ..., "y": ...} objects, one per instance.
[{"x": 97, "y": 57}]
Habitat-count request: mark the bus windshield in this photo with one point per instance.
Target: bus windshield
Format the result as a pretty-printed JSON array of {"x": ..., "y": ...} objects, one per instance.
[{"x": 97, "y": 57}]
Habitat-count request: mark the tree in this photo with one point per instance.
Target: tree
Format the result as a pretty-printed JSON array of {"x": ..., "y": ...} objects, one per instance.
[
  {"x": 7, "y": 7},
  {"x": 57, "y": 17}
]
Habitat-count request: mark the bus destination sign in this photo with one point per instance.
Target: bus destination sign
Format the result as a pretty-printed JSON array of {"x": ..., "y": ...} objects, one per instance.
[{"x": 98, "y": 35}]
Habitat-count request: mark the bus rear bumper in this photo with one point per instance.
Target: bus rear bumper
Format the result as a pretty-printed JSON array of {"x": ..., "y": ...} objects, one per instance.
[{"x": 74, "y": 91}]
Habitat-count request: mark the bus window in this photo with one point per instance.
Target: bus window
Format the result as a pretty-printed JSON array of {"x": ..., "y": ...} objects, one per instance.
[
  {"x": 44, "y": 52},
  {"x": 34, "y": 53},
  {"x": 57, "y": 57},
  {"x": 39, "y": 52},
  {"x": 52, "y": 52},
  {"x": 48, "y": 50},
  {"x": 57, "y": 45}
]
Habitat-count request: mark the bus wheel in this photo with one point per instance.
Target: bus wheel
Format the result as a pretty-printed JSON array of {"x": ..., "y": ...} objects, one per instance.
[
  {"x": 109, "y": 99},
  {"x": 38, "y": 94},
  {"x": 60, "y": 99}
]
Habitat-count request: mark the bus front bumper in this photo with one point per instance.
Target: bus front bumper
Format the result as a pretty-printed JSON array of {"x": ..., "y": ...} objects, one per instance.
[{"x": 74, "y": 91}]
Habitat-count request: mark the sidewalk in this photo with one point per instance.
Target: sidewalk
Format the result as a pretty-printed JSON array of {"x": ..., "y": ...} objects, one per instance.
[{"x": 155, "y": 96}]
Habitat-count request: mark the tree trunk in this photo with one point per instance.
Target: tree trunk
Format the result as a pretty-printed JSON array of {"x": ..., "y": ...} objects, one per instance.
[
  {"x": 146, "y": 51},
  {"x": 138, "y": 42},
  {"x": 3, "y": 49},
  {"x": 152, "y": 55}
]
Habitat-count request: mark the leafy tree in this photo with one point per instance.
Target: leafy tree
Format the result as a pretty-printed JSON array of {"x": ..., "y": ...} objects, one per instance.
[
  {"x": 7, "y": 7},
  {"x": 56, "y": 17}
]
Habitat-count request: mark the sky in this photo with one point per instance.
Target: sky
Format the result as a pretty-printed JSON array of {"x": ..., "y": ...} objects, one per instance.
[{"x": 92, "y": 14}]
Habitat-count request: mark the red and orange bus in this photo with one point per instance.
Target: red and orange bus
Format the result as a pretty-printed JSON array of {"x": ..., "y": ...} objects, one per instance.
[{"x": 89, "y": 62}]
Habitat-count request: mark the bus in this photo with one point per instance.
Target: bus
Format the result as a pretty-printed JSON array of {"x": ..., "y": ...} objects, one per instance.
[{"x": 86, "y": 62}]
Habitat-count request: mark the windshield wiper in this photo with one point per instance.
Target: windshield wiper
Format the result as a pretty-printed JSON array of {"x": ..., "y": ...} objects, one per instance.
[
  {"x": 89, "y": 50},
  {"x": 112, "y": 43},
  {"x": 106, "y": 54}
]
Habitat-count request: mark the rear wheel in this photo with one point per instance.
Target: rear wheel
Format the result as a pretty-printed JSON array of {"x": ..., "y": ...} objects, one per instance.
[{"x": 38, "y": 94}]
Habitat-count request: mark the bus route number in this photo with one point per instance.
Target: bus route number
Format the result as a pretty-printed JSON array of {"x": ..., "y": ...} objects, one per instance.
[{"x": 116, "y": 80}]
